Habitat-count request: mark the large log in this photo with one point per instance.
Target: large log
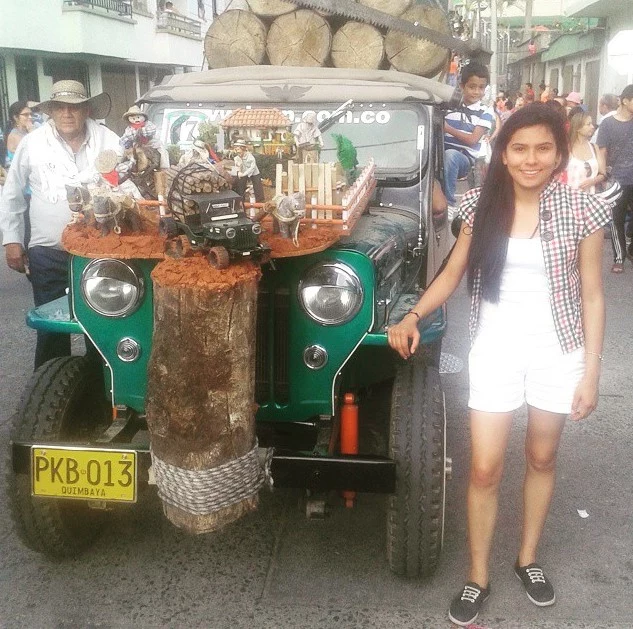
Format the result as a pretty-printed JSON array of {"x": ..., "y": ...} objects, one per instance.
[
  {"x": 235, "y": 38},
  {"x": 418, "y": 56},
  {"x": 392, "y": 7},
  {"x": 300, "y": 38},
  {"x": 357, "y": 45},
  {"x": 271, "y": 8},
  {"x": 201, "y": 379}
]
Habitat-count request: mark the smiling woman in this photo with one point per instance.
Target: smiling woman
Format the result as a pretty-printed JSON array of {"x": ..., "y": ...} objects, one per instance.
[{"x": 536, "y": 325}]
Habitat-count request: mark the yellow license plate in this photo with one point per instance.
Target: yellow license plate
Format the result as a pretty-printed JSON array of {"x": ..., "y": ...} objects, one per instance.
[{"x": 83, "y": 474}]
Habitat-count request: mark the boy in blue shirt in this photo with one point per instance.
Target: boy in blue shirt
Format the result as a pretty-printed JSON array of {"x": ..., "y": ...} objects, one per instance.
[{"x": 464, "y": 129}]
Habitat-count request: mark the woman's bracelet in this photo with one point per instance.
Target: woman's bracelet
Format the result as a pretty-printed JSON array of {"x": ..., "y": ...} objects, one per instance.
[
  {"x": 413, "y": 312},
  {"x": 600, "y": 357}
]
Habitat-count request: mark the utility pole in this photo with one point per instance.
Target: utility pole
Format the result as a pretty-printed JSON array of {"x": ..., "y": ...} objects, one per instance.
[
  {"x": 527, "y": 28},
  {"x": 493, "y": 47}
]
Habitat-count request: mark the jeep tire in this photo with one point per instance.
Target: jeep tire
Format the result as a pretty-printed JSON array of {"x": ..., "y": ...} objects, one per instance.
[
  {"x": 415, "y": 517},
  {"x": 219, "y": 257},
  {"x": 63, "y": 403}
]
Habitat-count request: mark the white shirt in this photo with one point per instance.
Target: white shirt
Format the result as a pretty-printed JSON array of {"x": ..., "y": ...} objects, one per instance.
[{"x": 45, "y": 163}]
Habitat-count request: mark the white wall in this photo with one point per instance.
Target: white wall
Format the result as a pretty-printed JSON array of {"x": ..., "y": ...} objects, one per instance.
[{"x": 51, "y": 29}]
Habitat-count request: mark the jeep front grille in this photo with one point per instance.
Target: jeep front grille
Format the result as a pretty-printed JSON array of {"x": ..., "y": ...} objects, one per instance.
[
  {"x": 271, "y": 372},
  {"x": 244, "y": 239}
]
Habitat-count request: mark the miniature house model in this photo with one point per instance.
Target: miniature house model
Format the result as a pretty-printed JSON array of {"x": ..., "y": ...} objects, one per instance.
[{"x": 267, "y": 130}]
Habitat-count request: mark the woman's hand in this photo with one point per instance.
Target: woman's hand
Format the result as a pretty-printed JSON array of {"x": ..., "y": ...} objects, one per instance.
[
  {"x": 585, "y": 399},
  {"x": 404, "y": 337}
]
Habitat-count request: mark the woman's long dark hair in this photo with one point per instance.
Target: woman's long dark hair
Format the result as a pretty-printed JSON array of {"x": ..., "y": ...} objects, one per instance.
[
  {"x": 14, "y": 111},
  {"x": 495, "y": 208}
]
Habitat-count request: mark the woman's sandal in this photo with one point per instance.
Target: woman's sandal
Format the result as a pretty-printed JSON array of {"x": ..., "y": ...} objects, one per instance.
[{"x": 617, "y": 267}]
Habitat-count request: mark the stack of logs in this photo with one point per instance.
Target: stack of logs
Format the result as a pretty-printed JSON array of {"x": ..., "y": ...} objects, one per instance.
[
  {"x": 194, "y": 178},
  {"x": 255, "y": 32}
]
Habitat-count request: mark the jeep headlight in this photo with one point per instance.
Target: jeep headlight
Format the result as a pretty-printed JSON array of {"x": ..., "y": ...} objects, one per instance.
[
  {"x": 331, "y": 293},
  {"x": 111, "y": 287}
]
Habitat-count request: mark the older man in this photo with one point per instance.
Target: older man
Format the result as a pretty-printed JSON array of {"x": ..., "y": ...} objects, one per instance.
[{"x": 62, "y": 151}]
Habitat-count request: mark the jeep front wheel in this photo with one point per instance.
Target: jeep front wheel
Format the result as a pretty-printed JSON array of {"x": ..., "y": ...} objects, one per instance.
[
  {"x": 64, "y": 402},
  {"x": 218, "y": 257},
  {"x": 415, "y": 517}
]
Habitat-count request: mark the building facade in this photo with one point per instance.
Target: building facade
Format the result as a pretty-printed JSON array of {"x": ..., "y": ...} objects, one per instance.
[
  {"x": 121, "y": 47},
  {"x": 614, "y": 59}
]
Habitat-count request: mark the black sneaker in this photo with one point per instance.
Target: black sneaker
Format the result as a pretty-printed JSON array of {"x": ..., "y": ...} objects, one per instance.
[
  {"x": 465, "y": 606},
  {"x": 537, "y": 586}
]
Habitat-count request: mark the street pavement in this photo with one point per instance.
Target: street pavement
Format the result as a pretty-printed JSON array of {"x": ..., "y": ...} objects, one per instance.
[{"x": 275, "y": 569}]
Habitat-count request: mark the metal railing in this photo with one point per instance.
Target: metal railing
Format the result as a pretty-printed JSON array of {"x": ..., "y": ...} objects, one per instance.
[
  {"x": 170, "y": 22},
  {"x": 120, "y": 7}
]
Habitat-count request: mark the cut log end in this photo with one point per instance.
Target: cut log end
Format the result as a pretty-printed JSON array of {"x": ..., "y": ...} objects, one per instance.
[
  {"x": 357, "y": 45},
  {"x": 300, "y": 38},
  {"x": 271, "y": 8},
  {"x": 418, "y": 56},
  {"x": 235, "y": 38}
]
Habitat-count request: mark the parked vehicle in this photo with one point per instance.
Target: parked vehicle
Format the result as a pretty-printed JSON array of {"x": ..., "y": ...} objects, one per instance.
[{"x": 79, "y": 442}]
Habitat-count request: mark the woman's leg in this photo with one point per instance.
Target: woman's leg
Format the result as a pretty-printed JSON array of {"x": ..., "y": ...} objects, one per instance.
[
  {"x": 541, "y": 447},
  {"x": 489, "y": 437}
]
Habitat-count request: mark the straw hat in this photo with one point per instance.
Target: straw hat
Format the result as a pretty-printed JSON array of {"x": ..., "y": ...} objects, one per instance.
[
  {"x": 74, "y": 93},
  {"x": 134, "y": 110},
  {"x": 106, "y": 161},
  {"x": 240, "y": 143}
]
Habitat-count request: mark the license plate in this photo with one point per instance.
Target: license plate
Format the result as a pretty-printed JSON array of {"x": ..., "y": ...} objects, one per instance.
[{"x": 83, "y": 474}]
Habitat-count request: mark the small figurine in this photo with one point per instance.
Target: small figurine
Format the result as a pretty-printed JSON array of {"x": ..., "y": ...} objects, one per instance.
[
  {"x": 287, "y": 212},
  {"x": 142, "y": 132},
  {"x": 114, "y": 174},
  {"x": 308, "y": 139},
  {"x": 246, "y": 167}
]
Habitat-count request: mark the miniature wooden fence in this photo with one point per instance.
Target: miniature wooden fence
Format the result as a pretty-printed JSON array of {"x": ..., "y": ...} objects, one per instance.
[{"x": 316, "y": 182}]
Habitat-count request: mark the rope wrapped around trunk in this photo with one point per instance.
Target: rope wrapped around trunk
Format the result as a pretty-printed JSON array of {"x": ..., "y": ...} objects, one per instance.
[{"x": 206, "y": 491}]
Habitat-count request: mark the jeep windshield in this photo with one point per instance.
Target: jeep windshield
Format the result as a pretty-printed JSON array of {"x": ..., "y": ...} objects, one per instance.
[{"x": 386, "y": 132}]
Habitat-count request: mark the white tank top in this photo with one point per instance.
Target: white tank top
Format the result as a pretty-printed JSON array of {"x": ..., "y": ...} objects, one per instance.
[
  {"x": 524, "y": 301},
  {"x": 578, "y": 170}
]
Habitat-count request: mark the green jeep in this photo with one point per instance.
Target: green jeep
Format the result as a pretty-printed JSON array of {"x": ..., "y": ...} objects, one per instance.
[{"x": 80, "y": 445}]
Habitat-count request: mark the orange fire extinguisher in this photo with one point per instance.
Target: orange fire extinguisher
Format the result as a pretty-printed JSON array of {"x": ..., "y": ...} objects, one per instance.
[{"x": 349, "y": 436}]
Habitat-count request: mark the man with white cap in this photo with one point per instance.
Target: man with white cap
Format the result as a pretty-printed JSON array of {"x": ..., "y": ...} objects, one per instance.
[{"x": 61, "y": 152}]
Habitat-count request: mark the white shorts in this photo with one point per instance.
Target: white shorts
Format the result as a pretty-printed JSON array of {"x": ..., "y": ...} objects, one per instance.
[{"x": 504, "y": 374}]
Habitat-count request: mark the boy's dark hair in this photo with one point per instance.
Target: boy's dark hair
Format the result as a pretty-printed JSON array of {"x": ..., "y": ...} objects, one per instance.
[
  {"x": 528, "y": 84},
  {"x": 627, "y": 93},
  {"x": 474, "y": 68}
]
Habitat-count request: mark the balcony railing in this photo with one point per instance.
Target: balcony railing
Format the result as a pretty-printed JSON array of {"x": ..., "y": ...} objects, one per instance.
[
  {"x": 169, "y": 22},
  {"x": 122, "y": 8}
]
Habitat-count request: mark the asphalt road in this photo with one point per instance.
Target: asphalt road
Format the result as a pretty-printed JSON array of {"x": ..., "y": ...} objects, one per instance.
[{"x": 277, "y": 569}]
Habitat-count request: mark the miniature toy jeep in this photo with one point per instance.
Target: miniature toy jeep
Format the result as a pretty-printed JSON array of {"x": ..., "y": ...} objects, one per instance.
[
  {"x": 80, "y": 443},
  {"x": 219, "y": 226}
]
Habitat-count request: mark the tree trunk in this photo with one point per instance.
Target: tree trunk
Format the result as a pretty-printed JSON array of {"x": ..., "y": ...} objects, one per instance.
[
  {"x": 418, "y": 56},
  {"x": 300, "y": 38},
  {"x": 357, "y": 45},
  {"x": 271, "y": 8},
  {"x": 235, "y": 38},
  {"x": 201, "y": 381},
  {"x": 392, "y": 7}
]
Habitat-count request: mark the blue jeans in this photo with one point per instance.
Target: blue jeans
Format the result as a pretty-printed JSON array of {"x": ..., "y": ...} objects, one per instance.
[
  {"x": 456, "y": 166},
  {"x": 49, "y": 279}
]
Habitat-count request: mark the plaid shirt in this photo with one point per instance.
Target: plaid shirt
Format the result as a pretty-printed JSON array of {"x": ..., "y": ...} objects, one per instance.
[{"x": 566, "y": 217}]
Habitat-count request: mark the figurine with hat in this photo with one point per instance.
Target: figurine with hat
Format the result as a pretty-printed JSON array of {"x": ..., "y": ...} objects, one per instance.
[
  {"x": 246, "y": 168},
  {"x": 141, "y": 132}
]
